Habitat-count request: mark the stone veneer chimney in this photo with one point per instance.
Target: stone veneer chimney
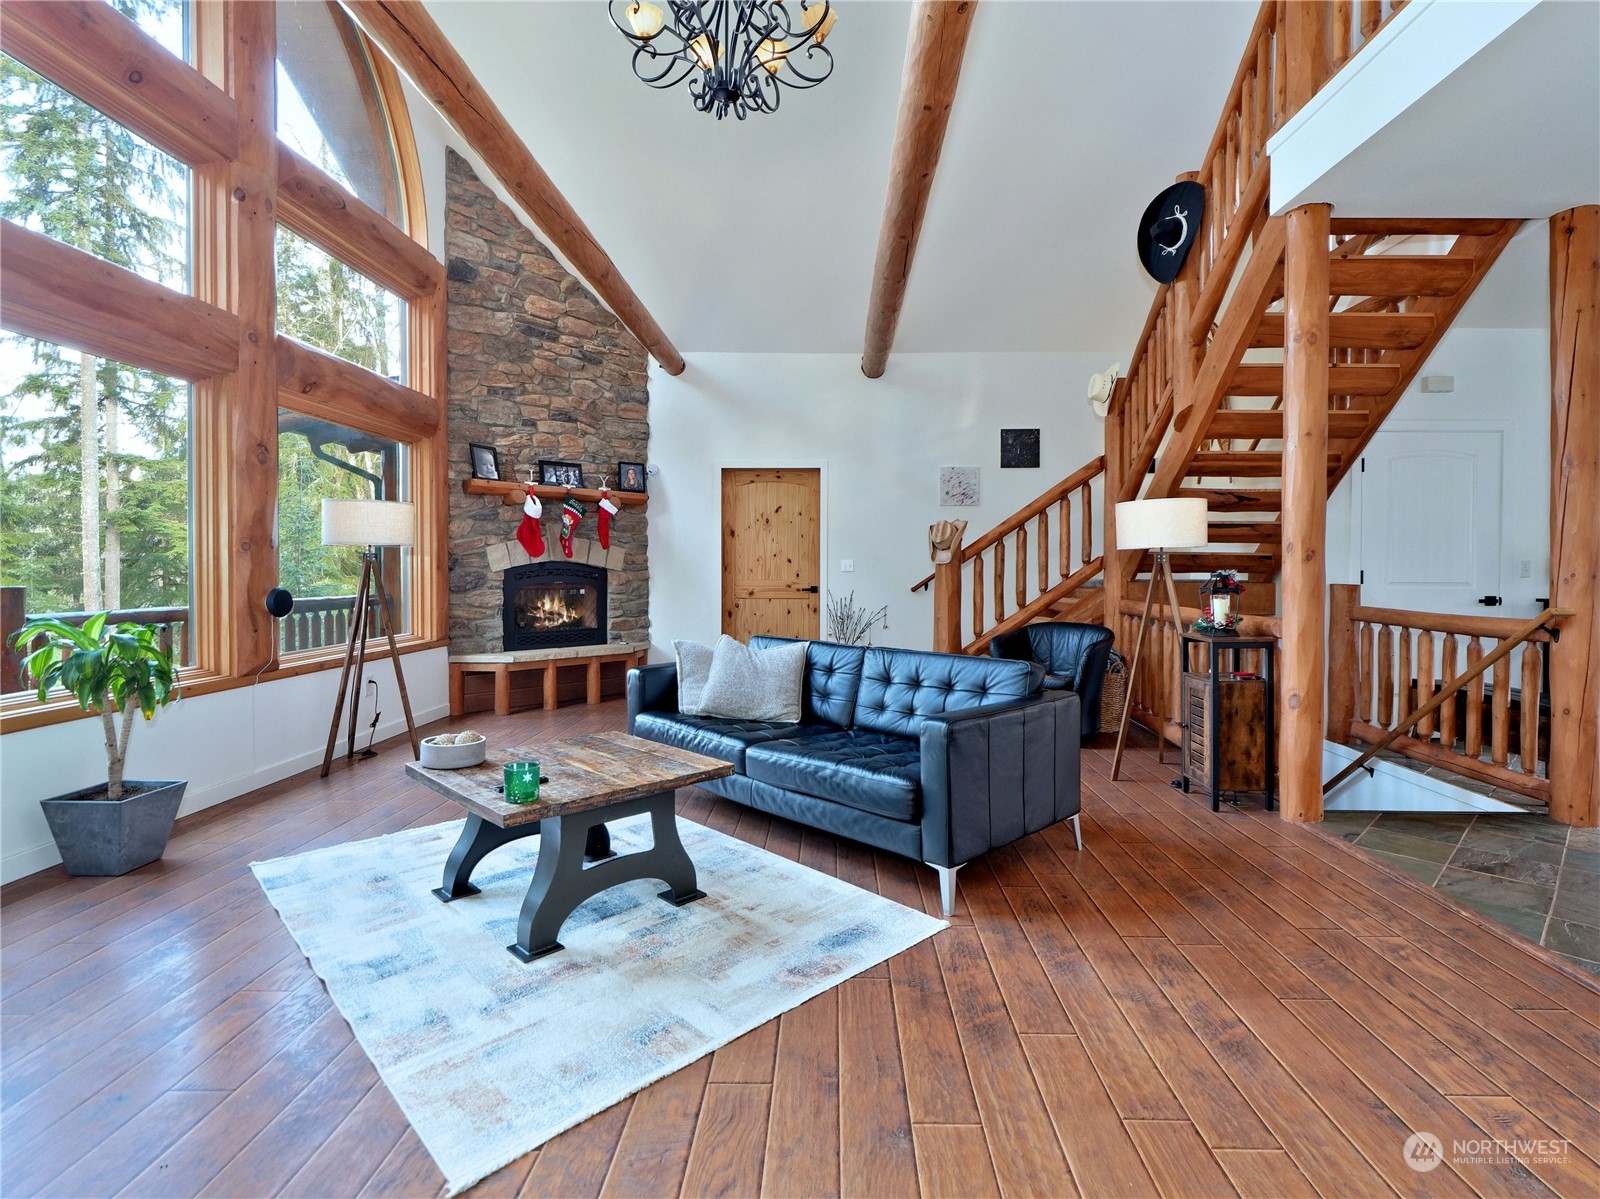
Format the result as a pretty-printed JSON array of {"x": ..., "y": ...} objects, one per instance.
[{"x": 538, "y": 369}]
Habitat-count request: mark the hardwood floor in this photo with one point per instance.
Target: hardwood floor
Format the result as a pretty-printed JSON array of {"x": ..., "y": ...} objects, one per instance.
[{"x": 1196, "y": 1004}]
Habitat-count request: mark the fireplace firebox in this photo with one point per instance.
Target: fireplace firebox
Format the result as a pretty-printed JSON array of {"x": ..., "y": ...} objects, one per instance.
[{"x": 550, "y": 604}]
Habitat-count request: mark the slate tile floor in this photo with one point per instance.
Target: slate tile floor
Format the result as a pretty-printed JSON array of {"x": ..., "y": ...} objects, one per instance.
[{"x": 1526, "y": 872}]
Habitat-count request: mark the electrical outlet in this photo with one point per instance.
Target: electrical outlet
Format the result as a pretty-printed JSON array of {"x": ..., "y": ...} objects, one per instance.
[{"x": 847, "y": 565}]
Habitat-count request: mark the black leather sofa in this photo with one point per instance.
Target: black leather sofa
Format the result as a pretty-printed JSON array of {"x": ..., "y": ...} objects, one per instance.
[
  {"x": 938, "y": 757},
  {"x": 1074, "y": 658}
]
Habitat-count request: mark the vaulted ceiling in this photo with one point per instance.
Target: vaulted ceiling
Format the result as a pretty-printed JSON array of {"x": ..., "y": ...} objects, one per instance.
[{"x": 759, "y": 236}]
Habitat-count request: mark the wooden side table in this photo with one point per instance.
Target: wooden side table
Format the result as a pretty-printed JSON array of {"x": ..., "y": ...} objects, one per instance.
[{"x": 1228, "y": 735}]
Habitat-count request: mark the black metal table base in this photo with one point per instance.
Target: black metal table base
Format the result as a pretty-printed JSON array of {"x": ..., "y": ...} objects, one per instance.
[{"x": 575, "y": 863}]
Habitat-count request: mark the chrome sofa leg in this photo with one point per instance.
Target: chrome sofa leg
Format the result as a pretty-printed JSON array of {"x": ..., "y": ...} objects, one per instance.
[
  {"x": 1077, "y": 833},
  {"x": 947, "y": 887}
]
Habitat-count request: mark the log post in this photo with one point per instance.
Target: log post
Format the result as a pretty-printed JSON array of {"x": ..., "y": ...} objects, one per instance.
[
  {"x": 1343, "y": 599},
  {"x": 1305, "y": 510},
  {"x": 1308, "y": 41},
  {"x": 1575, "y": 513},
  {"x": 947, "y": 602},
  {"x": 1111, "y": 580},
  {"x": 1184, "y": 296},
  {"x": 13, "y": 613}
]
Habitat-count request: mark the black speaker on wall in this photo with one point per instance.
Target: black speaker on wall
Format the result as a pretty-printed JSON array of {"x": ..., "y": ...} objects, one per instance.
[{"x": 280, "y": 602}]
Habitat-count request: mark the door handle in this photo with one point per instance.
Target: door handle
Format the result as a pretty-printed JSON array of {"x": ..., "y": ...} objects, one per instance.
[
  {"x": 1491, "y": 601},
  {"x": 813, "y": 589}
]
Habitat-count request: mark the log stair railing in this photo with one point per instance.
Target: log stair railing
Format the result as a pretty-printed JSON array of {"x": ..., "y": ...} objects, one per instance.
[
  {"x": 1062, "y": 549},
  {"x": 1384, "y": 661}
]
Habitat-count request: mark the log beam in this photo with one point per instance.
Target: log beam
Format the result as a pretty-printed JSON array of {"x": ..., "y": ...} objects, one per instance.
[
  {"x": 938, "y": 40},
  {"x": 341, "y": 392},
  {"x": 419, "y": 48},
  {"x": 53, "y": 292},
  {"x": 1305, "y": 511},
  {"x": 1575, "y": 513}
]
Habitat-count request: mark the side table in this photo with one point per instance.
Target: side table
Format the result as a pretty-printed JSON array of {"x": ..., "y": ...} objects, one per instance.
[{"x": 1228, "y": 736}]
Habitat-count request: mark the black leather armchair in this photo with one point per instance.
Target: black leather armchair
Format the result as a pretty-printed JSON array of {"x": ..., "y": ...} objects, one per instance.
[{"x": 1074, "y": 657}]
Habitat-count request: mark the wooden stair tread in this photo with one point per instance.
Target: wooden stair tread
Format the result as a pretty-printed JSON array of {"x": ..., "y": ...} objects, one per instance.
[
  {"x": 1243, "y": 532},
  {"x": 1345, "y": 379},
  {"x": 1268, "y": 422},
  {"x": 1235, "y": 499},
  {"x": 1400, "y": 226},
  {"x": 1398, "y": 275},
  {"x": 1251, "y": 566},
  {"x": 1243, "y": 464},
  {"x": 1357, "y": 330}
]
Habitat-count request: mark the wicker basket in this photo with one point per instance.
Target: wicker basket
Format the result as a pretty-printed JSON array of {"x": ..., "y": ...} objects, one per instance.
[{"x": 1113, "y": 692}]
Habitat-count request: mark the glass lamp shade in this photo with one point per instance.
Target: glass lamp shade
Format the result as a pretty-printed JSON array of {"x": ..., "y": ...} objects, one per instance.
[
  {"x": 819, "y": 18},
  {"x": 706, "y": 52},
  {"x": 645, "y": 19},
  {"x": 368, "y": 522},
  {"x": 1161, "y": 524},
  {"x": 770, "y": 54}
]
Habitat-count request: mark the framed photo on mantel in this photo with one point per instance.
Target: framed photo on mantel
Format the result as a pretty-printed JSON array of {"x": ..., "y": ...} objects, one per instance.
[
  {"x": 630, "y": 476},
  {"x": 485, "y": 461},
  {"x": 560, "y": 474}
]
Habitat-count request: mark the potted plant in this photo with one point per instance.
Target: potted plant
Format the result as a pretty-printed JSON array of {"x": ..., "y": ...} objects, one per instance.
[{"x": 109, "y": 669}]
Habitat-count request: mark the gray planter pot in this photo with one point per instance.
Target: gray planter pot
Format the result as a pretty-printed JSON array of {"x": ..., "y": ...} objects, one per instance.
[{"x": 99, "y": 836}]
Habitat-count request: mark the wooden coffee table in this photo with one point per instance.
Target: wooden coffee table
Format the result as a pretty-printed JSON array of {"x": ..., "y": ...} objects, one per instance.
[{"x": 592, "y": 779}]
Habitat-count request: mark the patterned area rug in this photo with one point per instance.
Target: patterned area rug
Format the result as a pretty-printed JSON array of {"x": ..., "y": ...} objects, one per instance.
[{"x": 488, "y": 1057}]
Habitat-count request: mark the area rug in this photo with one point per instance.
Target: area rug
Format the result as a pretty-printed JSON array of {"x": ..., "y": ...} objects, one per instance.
[{"x": 489, "y": 1057}]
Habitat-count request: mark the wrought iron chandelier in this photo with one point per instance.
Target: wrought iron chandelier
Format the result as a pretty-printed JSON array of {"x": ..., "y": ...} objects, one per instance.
[{"x": 736, "y": 54}]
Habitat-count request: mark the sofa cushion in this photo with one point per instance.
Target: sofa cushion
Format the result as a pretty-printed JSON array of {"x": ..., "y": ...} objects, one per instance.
[
  {"x": 715, "y": 736},
  {"x": 872, "y": 772},
  {"x": 694, "y": 667},
  {"x": 833, "y": 678},
  {"x": 752, "y": 683},
  {"x": 900, "y": 686}
]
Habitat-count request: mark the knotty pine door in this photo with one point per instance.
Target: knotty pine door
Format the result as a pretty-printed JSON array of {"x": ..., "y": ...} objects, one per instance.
[{"x": 771, "y": 565}]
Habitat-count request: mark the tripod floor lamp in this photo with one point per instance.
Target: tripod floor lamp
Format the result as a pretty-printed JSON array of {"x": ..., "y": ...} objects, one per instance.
[
  {"x": 369, "y": 524},
  {"x": 1158, "y": 525}
]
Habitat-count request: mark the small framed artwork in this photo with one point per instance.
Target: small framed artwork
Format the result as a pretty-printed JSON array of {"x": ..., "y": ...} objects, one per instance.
[
  {"x": 958, "y": 486},
  {"x": 1019, "y": 448},
  {"x": 630, "y": 476},
  {"x": 485, "y": 461},
  {"x": 560, "y": 474}
]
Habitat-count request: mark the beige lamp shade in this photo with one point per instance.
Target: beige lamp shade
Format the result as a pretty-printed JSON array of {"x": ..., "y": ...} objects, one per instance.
[
  {"x": 645, "y": 19},
  {"x": 368, "y": 522},
  {"x": 706, "y": 53},
  {"x": 1161, "y": 524},
  {"x": 818, "y": 18},
  {"x": 770, "y": 54}
]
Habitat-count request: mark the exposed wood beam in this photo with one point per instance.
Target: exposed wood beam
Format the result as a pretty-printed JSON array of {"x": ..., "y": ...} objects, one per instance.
[
  {"x": 102, "y": 57},
  {"x": 938, "y": 40},
  {"x": 341, "y": 391},
  {"x": 51, "y": 291},
  {"x": 316, "y": 206},
  {"x": 417, "y": 46}
]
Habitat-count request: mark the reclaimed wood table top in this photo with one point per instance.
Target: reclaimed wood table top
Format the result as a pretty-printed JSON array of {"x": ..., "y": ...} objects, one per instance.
[{"x": 584, "y": 772}]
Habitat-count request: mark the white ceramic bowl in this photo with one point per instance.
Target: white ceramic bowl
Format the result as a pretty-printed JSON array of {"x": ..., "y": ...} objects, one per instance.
[{"x": 453, "y": 757}]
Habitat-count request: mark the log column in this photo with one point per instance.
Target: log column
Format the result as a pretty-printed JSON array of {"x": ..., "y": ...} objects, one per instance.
[
  {"x": 947, "y": 602},
  {"x": 1305, "y": 512},
  {"x": 1575, "y": 513},
  {"x": 1111, "y": 573}
]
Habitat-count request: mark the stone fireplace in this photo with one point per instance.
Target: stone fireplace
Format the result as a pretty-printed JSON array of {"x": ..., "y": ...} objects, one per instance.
[
  {"x": 549, "y": 604},
  {"x": 539, "y": 370}
]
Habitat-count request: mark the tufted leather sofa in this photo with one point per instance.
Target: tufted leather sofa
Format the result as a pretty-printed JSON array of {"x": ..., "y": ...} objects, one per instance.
[
  {"x": 939, "y": 757},
  {"x": 1074, "y": 657}
]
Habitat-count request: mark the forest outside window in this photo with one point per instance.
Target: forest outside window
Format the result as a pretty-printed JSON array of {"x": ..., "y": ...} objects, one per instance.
[
  {"x": 335, "y": 308},
  {"x": 318, "y": 460}
]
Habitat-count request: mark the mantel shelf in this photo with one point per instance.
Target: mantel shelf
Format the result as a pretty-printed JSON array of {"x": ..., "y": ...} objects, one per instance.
[{"x": 512, "y": 492}]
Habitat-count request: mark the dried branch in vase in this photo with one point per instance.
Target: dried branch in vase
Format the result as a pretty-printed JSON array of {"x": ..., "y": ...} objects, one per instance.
[{"x": 850, "y": 625}]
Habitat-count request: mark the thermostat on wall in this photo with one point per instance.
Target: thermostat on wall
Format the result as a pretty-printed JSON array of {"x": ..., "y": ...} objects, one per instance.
[{"x": 1438, "y": 383}]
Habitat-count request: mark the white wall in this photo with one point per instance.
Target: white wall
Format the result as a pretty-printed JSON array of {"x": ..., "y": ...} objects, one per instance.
[
  {"x": 225, "y": 744},
  {"x": 880, "y": 444},
  {"x": 1502, "y": 382}
]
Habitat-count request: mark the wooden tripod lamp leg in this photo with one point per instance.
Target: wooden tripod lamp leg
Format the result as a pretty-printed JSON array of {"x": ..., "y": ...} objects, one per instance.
[
  {"x": 357, "y": 619},
  {"x": 1133, "y": 673},
  {"x": 387, "y": 619},
  {"x": 1177, "y": 628}
]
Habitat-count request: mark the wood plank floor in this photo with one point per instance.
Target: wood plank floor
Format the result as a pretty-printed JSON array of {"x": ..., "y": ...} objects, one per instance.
[{"x": 1196, "y": 1004}]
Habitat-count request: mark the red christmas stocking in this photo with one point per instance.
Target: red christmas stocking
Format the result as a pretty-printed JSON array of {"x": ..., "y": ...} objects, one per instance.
[
  {"x": 608, "y": 509},
  {"x": 528, "y": 532},
  {"x": 571, "y": 514}
]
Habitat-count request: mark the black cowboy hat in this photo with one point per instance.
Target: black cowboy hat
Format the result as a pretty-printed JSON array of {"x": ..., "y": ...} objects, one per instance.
[{"x": 1169, "y": 227}]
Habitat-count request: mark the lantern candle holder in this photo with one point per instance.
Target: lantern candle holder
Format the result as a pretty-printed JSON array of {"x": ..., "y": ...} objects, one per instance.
[{"x": 1219, "y": 606}]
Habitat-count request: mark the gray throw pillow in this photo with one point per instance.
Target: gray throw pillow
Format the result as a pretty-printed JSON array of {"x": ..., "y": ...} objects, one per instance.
[
  {"x": 755, "y": 684},
  {"x": 694, "y": 665}
]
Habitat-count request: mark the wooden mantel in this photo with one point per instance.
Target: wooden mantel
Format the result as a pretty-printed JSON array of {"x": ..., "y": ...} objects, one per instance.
[{"x": 513, "y": 493}]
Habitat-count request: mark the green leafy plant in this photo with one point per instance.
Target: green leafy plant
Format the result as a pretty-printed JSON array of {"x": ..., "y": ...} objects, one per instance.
[{"x": 108, "y": 668}]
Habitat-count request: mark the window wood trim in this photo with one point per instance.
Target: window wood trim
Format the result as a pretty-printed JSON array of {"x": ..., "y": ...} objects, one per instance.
[
  {"x": 57, "y": 293},
  {"x": 322, "y": 385},
  {"x": 103, "y": 58}
]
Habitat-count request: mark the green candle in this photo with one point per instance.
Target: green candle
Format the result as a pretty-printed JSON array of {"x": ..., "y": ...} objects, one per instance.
[{"x": 522, "y": 782}]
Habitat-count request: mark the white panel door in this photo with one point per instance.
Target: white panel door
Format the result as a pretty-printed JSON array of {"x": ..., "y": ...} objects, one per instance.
[{"x": 1430, "y": 520}]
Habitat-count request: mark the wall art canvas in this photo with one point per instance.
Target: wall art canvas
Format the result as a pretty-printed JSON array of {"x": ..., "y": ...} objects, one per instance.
[
  {"x": 958, "y": 486},
  {"x": 1019, "y": 448}
]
